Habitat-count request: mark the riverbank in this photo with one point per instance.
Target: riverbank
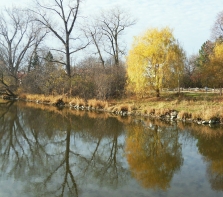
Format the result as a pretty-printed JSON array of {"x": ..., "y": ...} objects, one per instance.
[{"x": 200, "y": 108}]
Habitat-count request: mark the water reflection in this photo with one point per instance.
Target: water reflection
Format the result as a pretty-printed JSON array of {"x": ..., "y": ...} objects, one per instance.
[
  {"x": 154, "y": 154},
  {"x": 210, "y": 145},
  {"x": 52, "y": 152},
  {"x": 67, "y": 150}
]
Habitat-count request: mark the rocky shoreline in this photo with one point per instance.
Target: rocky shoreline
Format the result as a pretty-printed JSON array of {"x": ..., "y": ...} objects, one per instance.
[
  {"x": 167, "y": 115},
  {"x": 171, "y": 115}
]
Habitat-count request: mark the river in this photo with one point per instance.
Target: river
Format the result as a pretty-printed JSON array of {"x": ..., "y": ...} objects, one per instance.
[{"x": 46, "y": 151}]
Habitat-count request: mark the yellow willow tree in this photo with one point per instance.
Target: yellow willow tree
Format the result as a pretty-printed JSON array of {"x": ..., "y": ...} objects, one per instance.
[
  {"x": 176, "y": 67},
  {"x": 213, "y": 70},
  {"x": 154, "y": 59}
]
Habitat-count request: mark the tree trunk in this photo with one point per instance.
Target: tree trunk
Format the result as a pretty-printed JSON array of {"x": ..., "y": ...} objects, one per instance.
[
  {"x": 157, "y": 92},
  {"x": 70, "y": 87}
]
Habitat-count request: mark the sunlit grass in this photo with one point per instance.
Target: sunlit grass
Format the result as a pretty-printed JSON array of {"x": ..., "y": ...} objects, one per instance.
[
  {"x": 205, "y": 106},
  {"x": 189, "y": 106},
  {"x": 77, "y": 101},
  {"x": 97, "y": 104}
]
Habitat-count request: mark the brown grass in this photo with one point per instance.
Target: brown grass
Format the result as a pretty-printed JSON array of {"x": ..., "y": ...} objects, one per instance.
[
  {"x": 40, "y": 98},
  {"x": 205, "y": 109},
  {"x": 32, "y": 97},
  {"x": 77, "y": 101},
  {"x": 125, "y": 107},
  {"x": 189, "y": 108},
  {"x": 162, "y": 111},
  {"x": 184, "y": 115},
  {"x": 97, "y": 104}
]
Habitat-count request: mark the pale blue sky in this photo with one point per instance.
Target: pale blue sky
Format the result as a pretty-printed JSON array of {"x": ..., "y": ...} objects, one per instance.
[{"x": 191, "y": 20}]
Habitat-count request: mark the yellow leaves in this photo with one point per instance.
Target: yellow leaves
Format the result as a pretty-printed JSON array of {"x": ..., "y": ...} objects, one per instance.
[
  {"x": 213, "y": 69},
  {"x": 218, "y": 52},
  {"x": 151, "y": 57},
  {"x": 135, "y": 72}
]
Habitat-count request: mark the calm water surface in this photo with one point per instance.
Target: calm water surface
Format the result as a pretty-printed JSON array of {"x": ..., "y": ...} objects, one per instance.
[{"x": 45, "y": 151}]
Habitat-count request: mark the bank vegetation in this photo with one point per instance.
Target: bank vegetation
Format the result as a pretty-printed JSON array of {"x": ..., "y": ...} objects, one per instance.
[
  {"x": 51, "y": 55},
  {"x": 197, "y": 107}
]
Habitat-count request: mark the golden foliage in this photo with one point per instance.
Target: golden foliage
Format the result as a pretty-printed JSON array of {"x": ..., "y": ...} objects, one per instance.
[
  {"x": 154, "y": 57},
  {"x": 212, "y": 70}
]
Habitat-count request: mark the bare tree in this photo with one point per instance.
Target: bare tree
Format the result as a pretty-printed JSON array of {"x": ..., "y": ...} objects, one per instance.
[
  {"x": 106, "y": 31},
  {"x": 94, "y": 32},
  {"x": 36, "y": 48},
  {"x": 60, "y": 17},
  {"x": 217, "y": 30},
  {"x": 18, "y": 34},
  {"x": 112, "y": 25}
]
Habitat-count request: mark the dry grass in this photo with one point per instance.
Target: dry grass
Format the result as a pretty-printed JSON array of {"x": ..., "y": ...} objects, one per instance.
[
  {"x": 97, "y": 104},
  {"x": 40, "y": 98},
  {"x": 204, "y": 109},
  {"x": 125, "y": 107},
  {"x": 23, "y": 96},
  {"x": 121, "y": 108},
  {"x": 111, "y": 108},
  {"x": 32, "y": 97},
  {"x": 209, "y": 112},
  {"x": 184, "y": 115},
  {"x": 201, "y": 107},
  {"x": 162, "y": 111},
  {"x": 77, "y": 101}
]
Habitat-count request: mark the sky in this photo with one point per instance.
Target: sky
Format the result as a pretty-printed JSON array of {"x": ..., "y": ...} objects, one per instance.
[{"x": 191, "y": 20}]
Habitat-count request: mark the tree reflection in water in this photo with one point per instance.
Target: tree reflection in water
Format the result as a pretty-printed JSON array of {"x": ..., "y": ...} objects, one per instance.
[
  {"x": 210, "y": 145},
  {"x": 153, "y": 153},
  {"x": 57, "y": 155}
]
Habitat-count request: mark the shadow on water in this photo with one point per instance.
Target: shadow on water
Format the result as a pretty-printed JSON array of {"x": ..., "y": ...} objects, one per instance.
[{"x": 74, "y": 153}]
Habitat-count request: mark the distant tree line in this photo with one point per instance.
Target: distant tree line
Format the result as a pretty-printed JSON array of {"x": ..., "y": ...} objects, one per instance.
[
  {"x": 40, "y": 50},
  {"x": 205, "y": 69}
]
